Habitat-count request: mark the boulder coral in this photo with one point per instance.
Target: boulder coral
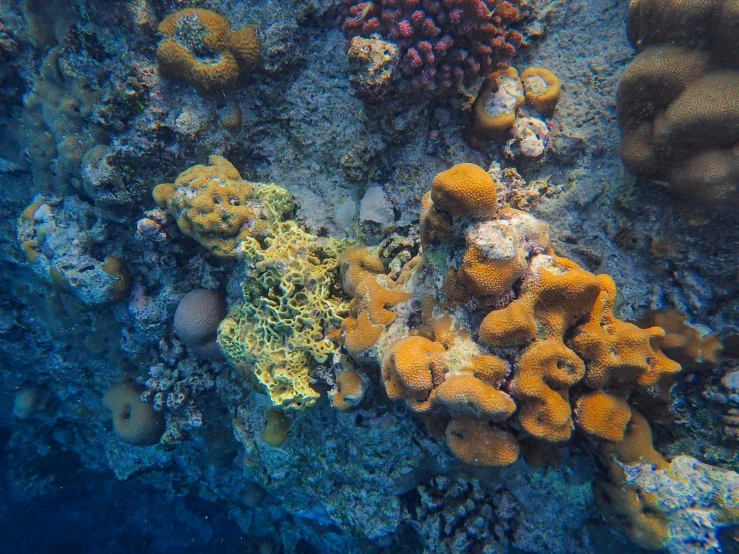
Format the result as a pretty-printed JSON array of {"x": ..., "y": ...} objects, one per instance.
[
  {"x": 490, "y": 331},
  {"x": 677, "y": 106},
  {"x": 215, "y": 206},
  {"x": 443, "y": 43},
  {"x": 134, "y": 421},
  {"x": 200, "y": 48},
  {"x": 196, "y": 321}
]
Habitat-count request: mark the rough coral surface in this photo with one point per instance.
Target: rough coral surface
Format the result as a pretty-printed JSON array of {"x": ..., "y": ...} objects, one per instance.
[
  {"x": 443, "y": 43},
  {"x": 200, "y": 48},
  {"x": 215, "y": 206},
  {"x": 500, "y": 368}
]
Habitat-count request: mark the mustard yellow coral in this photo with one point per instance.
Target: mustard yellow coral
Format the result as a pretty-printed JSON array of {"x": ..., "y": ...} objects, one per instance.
[
  {"x": 216, "y": 207},
  {"x": 200, "y": 48}
]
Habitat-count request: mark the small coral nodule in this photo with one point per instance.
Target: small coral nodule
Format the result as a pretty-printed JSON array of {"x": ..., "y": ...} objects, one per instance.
[
  {"x": 134, "y": 421},
  {"x": 200, "y": 48}
]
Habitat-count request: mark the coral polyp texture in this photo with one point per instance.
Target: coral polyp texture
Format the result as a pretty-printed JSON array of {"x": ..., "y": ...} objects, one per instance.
[
  {"x": 200, "y": 48},
  {"x": 292, "y": 301},
  {"x": 215, "y": 206},
  {"x": 491, "y": 331},
  {"x": 443, "y": 43},
  {"x": 677, "y": 104}
]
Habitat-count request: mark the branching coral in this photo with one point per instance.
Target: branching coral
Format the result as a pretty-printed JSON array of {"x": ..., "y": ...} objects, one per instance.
[
  {"x": 443, "y": 43},
  {"x": 494, "y": 333},
  {"x": 200, "y": 48}
]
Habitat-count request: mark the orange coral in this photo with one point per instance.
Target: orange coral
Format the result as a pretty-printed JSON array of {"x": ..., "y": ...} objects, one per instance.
[
  {"x": 465, "y": 190},
  {"x": 469, "y": 396},
  {"x": 355, "y": 265},
  {"x": 476, "y": 443},
  {"x": 542, "y": 379},
  {"x": 495, "y": 107},
  {"x": 213, "y": 205},
  {"x": 603, "y": 415},
  {"x": 200, "y": 49},
  {"x": 682, "y": 342},
  {"x": 348, "y": 390},
  {"x": 493, "y": 261},
  {"x": 617, "y": 352},
  {"x": 555, "y": 298},
  {"x": 542, "y": 89},
  {"x": 411, "y": 368},
  {"x": 370, "y": 312}
]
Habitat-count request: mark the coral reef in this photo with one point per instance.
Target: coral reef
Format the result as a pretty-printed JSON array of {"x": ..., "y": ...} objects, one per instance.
[
  {"x": 200, "y": 48},
  {"x": 551, "y": 331},
  {"x": 676, "y": 100},
  {"x": 443, "y": 43}
]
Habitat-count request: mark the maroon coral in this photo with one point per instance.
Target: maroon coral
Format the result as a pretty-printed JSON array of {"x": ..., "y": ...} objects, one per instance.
[{"x": 443, "y": 43}]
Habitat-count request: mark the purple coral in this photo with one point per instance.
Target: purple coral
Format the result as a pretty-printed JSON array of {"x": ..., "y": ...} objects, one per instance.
[{"x": 443, "y": 42}]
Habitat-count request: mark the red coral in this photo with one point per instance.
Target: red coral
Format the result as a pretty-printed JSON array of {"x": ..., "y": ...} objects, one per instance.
[{"x": 443, "y": 42}]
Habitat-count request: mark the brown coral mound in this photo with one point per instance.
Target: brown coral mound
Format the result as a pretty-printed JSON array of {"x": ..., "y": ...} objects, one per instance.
[
  {"x": 476, "y": 443},
  {"x": 677, "y": 103},
  {"x": 200, "y": 49}
]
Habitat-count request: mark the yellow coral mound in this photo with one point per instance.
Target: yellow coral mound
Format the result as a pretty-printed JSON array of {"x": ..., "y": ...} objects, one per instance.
[
  {"x": 215, "y": 206},
  {"x": 200, "y": 48}
]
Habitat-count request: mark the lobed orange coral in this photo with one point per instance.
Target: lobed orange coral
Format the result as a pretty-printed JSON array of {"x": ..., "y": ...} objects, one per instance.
[
  {"x": 542, "y": 89},
  {"x": 200, "y": 48},
  {"x": 487, "y": 287},
  {"x": 214, "y": 205},
  {"x": 349, "y": 390}
]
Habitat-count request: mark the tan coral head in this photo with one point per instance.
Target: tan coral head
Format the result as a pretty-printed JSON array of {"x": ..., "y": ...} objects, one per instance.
[{"x": 200, "y": 48}]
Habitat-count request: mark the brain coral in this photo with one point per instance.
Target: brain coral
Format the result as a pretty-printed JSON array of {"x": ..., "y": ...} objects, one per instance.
[
  {"x": 196, "y": 321},
  {"x": 292, "y": 300},
  {"x": 200, "y": 48},
  {"x": 133, "y": 421},
  {"x": 538, "y": 354},
  {"x": 443, "y": 43},
  {"x": 677, "y": 104},
  {"x": 216, "y": 207}
]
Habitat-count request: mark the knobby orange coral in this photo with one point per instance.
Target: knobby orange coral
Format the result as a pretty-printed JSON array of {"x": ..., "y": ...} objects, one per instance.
[
  {"x": 493, "y": 333},
  {"x": 200, "y": 48}
]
